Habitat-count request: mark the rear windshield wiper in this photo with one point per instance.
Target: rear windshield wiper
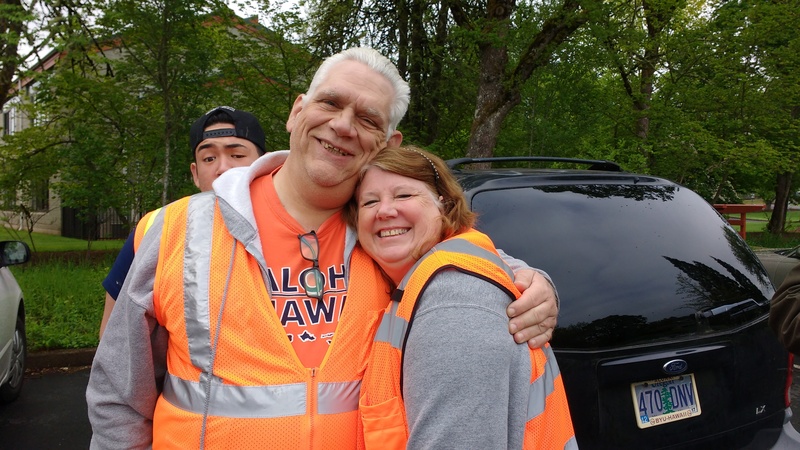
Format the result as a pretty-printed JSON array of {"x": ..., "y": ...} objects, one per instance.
[{"x": 732, "y": 310}]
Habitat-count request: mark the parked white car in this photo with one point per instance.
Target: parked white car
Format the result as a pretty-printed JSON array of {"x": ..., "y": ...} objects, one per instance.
[{"x": 13, "y": 346}]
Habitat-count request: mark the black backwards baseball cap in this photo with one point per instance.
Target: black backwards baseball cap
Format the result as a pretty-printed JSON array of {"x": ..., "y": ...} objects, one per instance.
[{"x": 245, "y": 126}]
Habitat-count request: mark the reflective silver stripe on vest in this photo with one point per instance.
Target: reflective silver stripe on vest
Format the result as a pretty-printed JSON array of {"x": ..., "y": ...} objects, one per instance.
[
  {"x": 458, "y": 245},
  {"x": 196, "y": 267},
  {"x": 392, "y": 329},
  {"x": 543, "y": 386},
  {"x": 226, "y": 400},
  {"x": 260, "y": 402},
  {"x": 237, "y": 401},
  {"x": 335, "y": 398}
]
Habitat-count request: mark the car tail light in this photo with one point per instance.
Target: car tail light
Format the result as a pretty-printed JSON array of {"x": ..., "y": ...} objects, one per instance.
[{"x": 787, "y": 388}]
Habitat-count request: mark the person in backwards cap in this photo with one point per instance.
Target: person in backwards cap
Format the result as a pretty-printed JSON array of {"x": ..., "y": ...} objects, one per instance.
[{"x": 222, "y": 138}]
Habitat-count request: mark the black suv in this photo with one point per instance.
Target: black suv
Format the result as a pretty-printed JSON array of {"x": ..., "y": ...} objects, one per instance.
[{"x": 662, "y": 336}]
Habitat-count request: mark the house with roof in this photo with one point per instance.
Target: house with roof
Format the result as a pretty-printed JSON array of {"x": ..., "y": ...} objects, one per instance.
[{"x": 35, "y": 203}]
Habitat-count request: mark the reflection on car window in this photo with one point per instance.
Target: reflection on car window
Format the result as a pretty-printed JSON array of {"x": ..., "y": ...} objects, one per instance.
[{"x": 632, "y": 263}]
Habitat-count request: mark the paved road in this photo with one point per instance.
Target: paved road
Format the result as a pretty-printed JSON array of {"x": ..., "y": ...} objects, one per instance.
[{"x": 51, "y": 413}]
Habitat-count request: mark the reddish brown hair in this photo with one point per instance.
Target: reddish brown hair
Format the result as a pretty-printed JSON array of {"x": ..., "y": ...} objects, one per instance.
[{"x": 418, "y": 164}]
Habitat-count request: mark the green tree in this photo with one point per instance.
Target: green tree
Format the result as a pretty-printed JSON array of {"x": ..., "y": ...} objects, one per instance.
[
  {"x": 263, "y": 70},
  {"x": 111, "y": 118},
  {"x": 776, "y": 42},
  {"x": 731, "y": 93},
  {"x": 453, "y": 53},
  {"x": 164, "y": 50},
  {"x": 635, "y": 38},
  {"x": 12, "y": 22},
  {"x": 501, "y": 78}
]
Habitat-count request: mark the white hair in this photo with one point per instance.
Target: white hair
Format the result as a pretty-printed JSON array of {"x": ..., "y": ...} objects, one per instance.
[{"x": 380, "y": 64}]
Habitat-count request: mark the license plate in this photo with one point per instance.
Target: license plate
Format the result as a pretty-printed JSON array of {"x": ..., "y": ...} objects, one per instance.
[{"x": 665, "y": 400}]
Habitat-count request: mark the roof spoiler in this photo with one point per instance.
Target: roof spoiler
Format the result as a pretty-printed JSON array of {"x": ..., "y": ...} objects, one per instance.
[{"x": 593, "y": 164}]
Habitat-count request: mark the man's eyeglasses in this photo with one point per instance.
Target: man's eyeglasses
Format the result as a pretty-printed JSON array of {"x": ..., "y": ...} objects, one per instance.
[{"x": 312, "y": 280}]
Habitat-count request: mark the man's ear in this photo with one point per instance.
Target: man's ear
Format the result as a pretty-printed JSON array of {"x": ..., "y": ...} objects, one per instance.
[
  {"x": 395, "y": 140},
  {"x": 296, "y": 108},
  {"x": 193, "y": 168}
]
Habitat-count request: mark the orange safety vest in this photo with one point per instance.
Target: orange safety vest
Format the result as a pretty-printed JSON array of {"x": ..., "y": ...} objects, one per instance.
[
  {"x": 383, "y": 417},
  {"x": 141, "y": 228},
  {"x": 233, "y": 379}
]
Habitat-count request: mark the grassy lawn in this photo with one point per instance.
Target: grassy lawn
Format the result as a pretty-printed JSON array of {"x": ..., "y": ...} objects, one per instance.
[
  {"x": 757, "y": 224},
  {"x": 758, "y": 240},
  {"x": 758, "y": 221},
  {"x": 49, "y": 243}
]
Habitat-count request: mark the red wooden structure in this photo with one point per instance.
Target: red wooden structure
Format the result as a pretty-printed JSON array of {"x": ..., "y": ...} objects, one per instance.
[{"x": 740, "y": 209}]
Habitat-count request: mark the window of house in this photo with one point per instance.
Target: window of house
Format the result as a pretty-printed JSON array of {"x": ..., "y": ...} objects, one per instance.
[
  {"x": 40, "y": 195},
  {"x": 10, "y": 121}
]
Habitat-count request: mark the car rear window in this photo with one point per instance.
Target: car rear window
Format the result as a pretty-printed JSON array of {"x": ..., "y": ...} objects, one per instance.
[{"x": 632, "y": 263}]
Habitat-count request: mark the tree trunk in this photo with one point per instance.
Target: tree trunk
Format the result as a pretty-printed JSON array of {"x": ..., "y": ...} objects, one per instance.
[
  {"x": 777, "y": 220},
  {"x": 417, "y": 69},
  {"x": 657, "y": 16},
  {"x": 493, "y": 103},
  {"x": 642, "y": 103},
  {"x": 499, "y": 86},
  {"x": 431, "y": 130},
  {"x": 164, "y": 82},
  {"x": 9, "y": 49},
  {"x": 486, "y": 128}
]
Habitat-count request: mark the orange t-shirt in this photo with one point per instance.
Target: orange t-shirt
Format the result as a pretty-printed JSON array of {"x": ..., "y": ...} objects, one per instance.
[{"x": 309, "y": 323}]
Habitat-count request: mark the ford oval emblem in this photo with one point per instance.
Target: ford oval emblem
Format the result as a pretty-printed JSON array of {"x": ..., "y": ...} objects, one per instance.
[{"x": 675, "y": 367}]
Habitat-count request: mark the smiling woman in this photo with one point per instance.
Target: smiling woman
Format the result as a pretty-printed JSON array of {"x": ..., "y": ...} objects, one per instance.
[
  {"x": 399, "y": 219},
  {"x": 434, "y": 383}
]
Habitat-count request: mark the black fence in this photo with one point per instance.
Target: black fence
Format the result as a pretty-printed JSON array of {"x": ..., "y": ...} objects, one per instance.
[{"x": 97, "y": 226}]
